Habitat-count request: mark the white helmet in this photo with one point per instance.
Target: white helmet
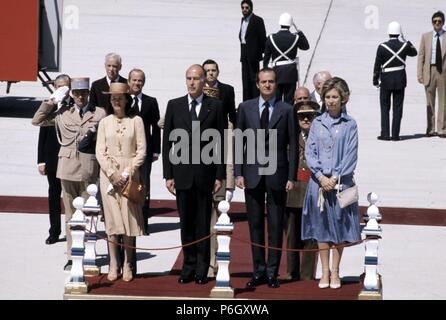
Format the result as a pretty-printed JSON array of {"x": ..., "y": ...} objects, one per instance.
[
  {"x": 394, "y": 28},
  {"x": 285, "y": 19}
]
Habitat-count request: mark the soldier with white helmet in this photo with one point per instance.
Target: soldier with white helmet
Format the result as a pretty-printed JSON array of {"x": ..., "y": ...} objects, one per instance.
[
  {"x": 389, "y": 75},
  {"x": 280, "y": 54}
]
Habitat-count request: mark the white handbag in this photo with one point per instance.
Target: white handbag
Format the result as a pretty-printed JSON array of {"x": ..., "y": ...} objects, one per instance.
[{"x": 348, "y": 196}]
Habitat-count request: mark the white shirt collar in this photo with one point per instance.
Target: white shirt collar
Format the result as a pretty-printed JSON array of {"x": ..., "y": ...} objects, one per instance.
[{"x": 199, "y": 99}]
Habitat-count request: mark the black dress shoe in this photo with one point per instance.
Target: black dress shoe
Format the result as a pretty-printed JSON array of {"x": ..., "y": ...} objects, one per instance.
[
  {"x": 186, "y": 279},
  {"x": 256, "y": 281},
  {"x": 273, "y": 282},
  {"x": 383, "y": 138},
  {"x": 51, "y": 240},
  {"x": 396, "y": 138},
  {"x": 433, "y": 134},
  {"x": 67, "y": 266},
  {"x": 201, "y": 280},
  {"x": 442, "y": 135}
]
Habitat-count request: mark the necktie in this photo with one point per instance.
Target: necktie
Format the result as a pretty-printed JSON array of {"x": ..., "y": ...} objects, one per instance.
[
  {"x": 136, "y": 104},
  {"x": 193, "y": 111},
  {"x": 438, "y": 62},
  {"x": 264, "y": 118},
  {"x": 81, "y": 112}
]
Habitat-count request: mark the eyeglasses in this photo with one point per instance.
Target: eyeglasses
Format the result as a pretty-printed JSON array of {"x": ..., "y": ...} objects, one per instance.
[
  {"x": 437, "y": 21},
  {"x": 303, "y": 116}
]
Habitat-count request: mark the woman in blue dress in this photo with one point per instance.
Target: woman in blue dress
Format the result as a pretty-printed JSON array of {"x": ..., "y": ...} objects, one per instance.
[{"x": 331, "y": 152}]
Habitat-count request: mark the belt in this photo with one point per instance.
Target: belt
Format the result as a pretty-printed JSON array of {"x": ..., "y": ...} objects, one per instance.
[
  {"x": 391, "y": 69},
  {"x": 284, "y": 62}
]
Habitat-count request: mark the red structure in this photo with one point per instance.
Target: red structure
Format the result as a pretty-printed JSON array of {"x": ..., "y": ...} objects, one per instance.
[{"x": 19, "y": 31}]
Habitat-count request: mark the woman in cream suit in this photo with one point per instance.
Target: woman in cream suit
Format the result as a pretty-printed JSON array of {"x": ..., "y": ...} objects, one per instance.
[{"x": 120, "y": 150}]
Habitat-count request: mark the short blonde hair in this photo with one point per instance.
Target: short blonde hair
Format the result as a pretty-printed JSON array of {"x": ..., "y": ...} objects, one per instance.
[{"x": 339, "y": 85}]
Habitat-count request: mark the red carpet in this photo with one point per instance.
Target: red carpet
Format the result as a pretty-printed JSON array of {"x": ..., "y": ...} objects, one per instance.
[
  {"x": 167, "y": 208},
  {"x": 240, "y": 268}
]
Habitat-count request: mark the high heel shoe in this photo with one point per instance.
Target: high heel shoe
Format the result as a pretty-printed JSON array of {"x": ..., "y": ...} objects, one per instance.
[
  {"x": 112, "y": 274},
  {"x": 324, "y": 281},
  {"x": 127, "y": 273},
  {"x": 335, "y": 281}
]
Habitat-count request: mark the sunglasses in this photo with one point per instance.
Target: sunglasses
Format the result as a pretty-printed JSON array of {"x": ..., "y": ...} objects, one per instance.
[
  {"x": 303, "y": 116},
  {"x": 437, "y": 21}
]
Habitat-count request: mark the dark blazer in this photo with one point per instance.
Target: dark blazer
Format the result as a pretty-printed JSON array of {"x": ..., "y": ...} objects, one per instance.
[
  {"x": 284, "y": 120},
  {"x": 394, "y": 80},
  {"x": 284, "y": 40},
  {"x": 178, "y": 117},
  {"x": 255, "y": 38},
  {"x": 97, "y": 98},
  {"x": 150, "y": 115},
  {"x": 48, "y": 148},
  {"x": 227, "y": 96}
]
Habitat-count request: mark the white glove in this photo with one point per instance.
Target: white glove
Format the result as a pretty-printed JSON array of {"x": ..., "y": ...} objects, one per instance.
[
  {"x": 229, "y": 194},
  {"x": 60, "y": 94}
]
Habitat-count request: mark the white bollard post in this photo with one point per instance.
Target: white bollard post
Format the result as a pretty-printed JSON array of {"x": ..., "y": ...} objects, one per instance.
[
  {"x": 372, "y": 281},
  {"x": 224, "y": 227},
  {"x": 76, "y": 281},
  {"x": 91, "y": 210}
]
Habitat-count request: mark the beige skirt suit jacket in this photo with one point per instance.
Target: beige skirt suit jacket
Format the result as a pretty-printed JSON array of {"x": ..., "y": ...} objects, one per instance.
[{"x": 120, "y": 146}]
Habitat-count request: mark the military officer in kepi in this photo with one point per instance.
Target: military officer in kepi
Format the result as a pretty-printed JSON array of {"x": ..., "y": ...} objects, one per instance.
[
  {"x": 280, "y": 54},
  {"x": 389, "y": 75}
]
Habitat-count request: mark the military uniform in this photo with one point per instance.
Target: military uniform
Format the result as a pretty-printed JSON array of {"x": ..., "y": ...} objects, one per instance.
[
  {"x": 293, "y": 226},
  {"x": 75, "y": 169},
  {"x": 390, "y": 69},
  {"x": 281, "y": 48}
]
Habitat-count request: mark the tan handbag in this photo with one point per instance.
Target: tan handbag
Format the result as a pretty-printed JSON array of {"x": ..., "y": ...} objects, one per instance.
[{"x": 134, "y": 191}]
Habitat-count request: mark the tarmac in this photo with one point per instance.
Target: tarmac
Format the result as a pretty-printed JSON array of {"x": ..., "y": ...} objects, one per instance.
[{"x": 164, "y": 38}]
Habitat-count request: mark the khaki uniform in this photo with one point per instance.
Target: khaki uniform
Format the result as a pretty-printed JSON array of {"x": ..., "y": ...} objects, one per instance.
[
  {"x": 75, "y": 169},
  {"x": 293, "y": 225}
]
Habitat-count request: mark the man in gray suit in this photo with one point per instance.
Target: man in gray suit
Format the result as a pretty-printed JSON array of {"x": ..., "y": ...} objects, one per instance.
[{"x": 278, "y": 121}]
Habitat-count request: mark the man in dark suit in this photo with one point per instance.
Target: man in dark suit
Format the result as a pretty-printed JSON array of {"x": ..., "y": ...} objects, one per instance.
[
  {"x": 252, "y": 38},
  {"x": 147, "y": 108},
  {"x": 113, "y": 65},
  {"x": 280, "y": 145},
  {"x": 281, "y": 49},
  {"x": 187, "y": 175},
  {"x": 47, "y": 155},
  {"x": 225, "y": 93},
  {"x": 390, "y": 68},
  {"x": 222, "y": 91}
]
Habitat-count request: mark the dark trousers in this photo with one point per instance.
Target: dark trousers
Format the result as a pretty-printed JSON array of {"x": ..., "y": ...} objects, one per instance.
[
  {"x": 255, "y": 208},
  {"x": 54, "y": 192},
  {"x": 384, "y": 98},
  {"x": 249, "y": 72},
  {"x": 285, "y": 92},
  {"x": 298, "y": 268},
  {"x": 146, "y": 169},
  {"x": 195, "y": 206}
]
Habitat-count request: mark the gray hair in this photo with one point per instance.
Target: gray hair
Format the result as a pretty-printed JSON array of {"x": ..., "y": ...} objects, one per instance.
[
  {"x": 113, "y": 55},
  {"x": 320, "y": 75}
]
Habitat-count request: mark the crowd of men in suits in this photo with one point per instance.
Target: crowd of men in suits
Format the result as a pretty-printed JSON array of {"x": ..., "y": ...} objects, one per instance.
[{"x": 268, "y": 98}]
